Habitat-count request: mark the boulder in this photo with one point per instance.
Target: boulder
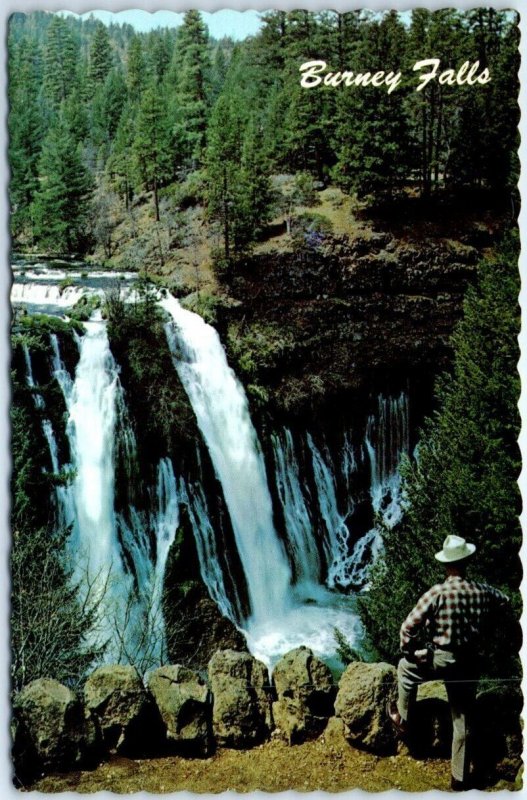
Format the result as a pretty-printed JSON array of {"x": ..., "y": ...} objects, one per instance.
[
  {"x": 202, "y": 628},
  {"x": 182, "y": 699},
  {"x": 364, "y": 691},
  {"x": 123, "y": 710},
  {"x": 51, "y": 731},
  {"x": 306, "y": 693},
  {"x": 241, "y": 714}
]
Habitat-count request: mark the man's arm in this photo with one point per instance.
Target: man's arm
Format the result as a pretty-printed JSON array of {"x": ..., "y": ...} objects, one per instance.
[{"x": 417, "y": 617}]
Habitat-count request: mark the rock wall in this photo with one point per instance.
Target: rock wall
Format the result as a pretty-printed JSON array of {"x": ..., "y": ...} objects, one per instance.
[
  {"x": 310, "y": 331},
  {"x": 174, "y": 711}
]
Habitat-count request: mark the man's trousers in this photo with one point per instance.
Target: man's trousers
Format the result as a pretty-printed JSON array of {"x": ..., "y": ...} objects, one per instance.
[{"x": 460, "y": 684}]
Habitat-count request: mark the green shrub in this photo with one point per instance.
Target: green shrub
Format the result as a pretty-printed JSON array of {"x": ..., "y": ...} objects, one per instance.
[{"x": 310, "y": 230}]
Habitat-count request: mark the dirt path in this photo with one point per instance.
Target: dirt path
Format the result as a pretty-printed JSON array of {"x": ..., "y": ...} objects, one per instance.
[{"x": 326, "y": 764}]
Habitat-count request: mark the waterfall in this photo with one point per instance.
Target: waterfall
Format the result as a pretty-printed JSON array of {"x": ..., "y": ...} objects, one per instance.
[
  {"x": 37, "y": 397},
  {"x": 222, "y": 413},
  {"x": 119, "y": 546},
  {"x": 298, "y": 521},
  {"x": 62, "y": 493},
  {"x": 49, "y": 294},
  {"x": 387, "y": 439},
  {"x": 94, "y": 551},
  {"x": 118, "y": 572},
  {"x": 336, "y": 540},
  {"x": 208, "y": 556}
]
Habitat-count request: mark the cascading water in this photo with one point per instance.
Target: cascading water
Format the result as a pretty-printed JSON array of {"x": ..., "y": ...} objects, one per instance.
[
  {"x": 336, "y": 540},
  {"x": 282, "y": 617},
  {"x": 223, "y": 417},
  {"x": 102, "y": 543},
  {"x": 298, "y": 521},
  {"x": 209, "y": 559},
  {"x": 122, "y": 556},
  {"x": 37, "y": 397},
  {"x": 387, "y": 439}
]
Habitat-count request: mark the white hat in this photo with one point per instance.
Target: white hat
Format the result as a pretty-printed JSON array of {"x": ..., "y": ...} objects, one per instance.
[{"x": 454, "y": 549}]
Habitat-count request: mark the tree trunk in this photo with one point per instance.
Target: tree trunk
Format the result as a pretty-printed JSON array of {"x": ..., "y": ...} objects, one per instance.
[
  {"x": 226, "y": 217},
  {"x": 156, "y": 198}
]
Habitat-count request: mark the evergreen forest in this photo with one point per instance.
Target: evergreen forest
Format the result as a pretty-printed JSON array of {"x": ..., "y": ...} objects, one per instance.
[{"x": 100, "y": 110}]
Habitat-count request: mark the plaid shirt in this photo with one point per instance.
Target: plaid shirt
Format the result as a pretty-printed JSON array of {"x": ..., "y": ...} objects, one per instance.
[{"x": 453, "y": 613}]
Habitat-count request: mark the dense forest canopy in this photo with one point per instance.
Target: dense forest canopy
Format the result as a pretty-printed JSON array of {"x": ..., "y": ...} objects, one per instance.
[{"x": 94, "y": 105}]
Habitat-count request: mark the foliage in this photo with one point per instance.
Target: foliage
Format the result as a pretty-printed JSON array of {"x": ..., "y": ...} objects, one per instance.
[
  {"x": 190, "y": 192},
  {"x": 145, "y": 109},
  {"x": 310, "y": 230},
  {"x": 464, "y": 480},
  {"x": 344, "y": 650},
  {"x": 84, "y": 307},
  {"x": 60, "y": 206},
  {"x": 204, "y": 304},
  {"x": 257, "y": 348},
  {"x": 37, "y": 327},
  {"x": 47, "y": 622}
]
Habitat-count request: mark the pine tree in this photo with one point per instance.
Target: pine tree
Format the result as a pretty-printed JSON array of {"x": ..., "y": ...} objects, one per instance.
[
  {"x": 120, "y": 162},
  {"x": 107, "y": 106},
  {"x": 152, "y": 145},
  {"x": 76, "y": 114},
  {"x": 191, "y": 73},
  {"x": 135, "y": 68},
  {"x": 256, "y": 185},
  {"x": 60, "y": 60},
  {"x": 159, "y": 47},
  {"x": 372, "y": 134},
  {"x": 61, "y": 204},
  {"x": 223, "y": 167},
  {"x": 101, "y": 58},
  {"x": 239, "y": 194},
  {"x": 25, "y": 132}
]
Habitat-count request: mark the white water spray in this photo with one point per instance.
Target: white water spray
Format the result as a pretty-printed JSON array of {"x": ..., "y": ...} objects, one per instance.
[
  {"x": 126, "y": 597},
  {"x": 222, "y": 412}
]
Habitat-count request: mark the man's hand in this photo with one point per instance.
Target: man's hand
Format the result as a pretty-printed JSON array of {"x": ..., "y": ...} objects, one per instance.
[{"x": 421, "y": 656}]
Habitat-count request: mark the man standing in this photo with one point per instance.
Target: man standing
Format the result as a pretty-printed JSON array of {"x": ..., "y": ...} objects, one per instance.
[{"x": 450, "y": 617}]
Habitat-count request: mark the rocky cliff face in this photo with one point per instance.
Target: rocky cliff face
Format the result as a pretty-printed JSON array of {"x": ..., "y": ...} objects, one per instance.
[{"x": 308, "y": 328}]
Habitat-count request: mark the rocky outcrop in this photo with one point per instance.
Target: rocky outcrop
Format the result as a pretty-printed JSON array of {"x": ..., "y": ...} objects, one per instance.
[
  {"x": 122, "y": 709},
  {"x": 364, "y": 691},
  {"x": 51, "y": 730},
  {"x": 241, "y": 714},
  {"x": 306, "y": 693},
  {"x": 182, "y": 699},
  {"x": 310, "y": 330},
  {"x": 201, "y": 627}
]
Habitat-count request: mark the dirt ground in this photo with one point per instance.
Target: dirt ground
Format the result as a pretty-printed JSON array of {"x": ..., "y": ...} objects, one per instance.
[{"x": 326, "y": 764}]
